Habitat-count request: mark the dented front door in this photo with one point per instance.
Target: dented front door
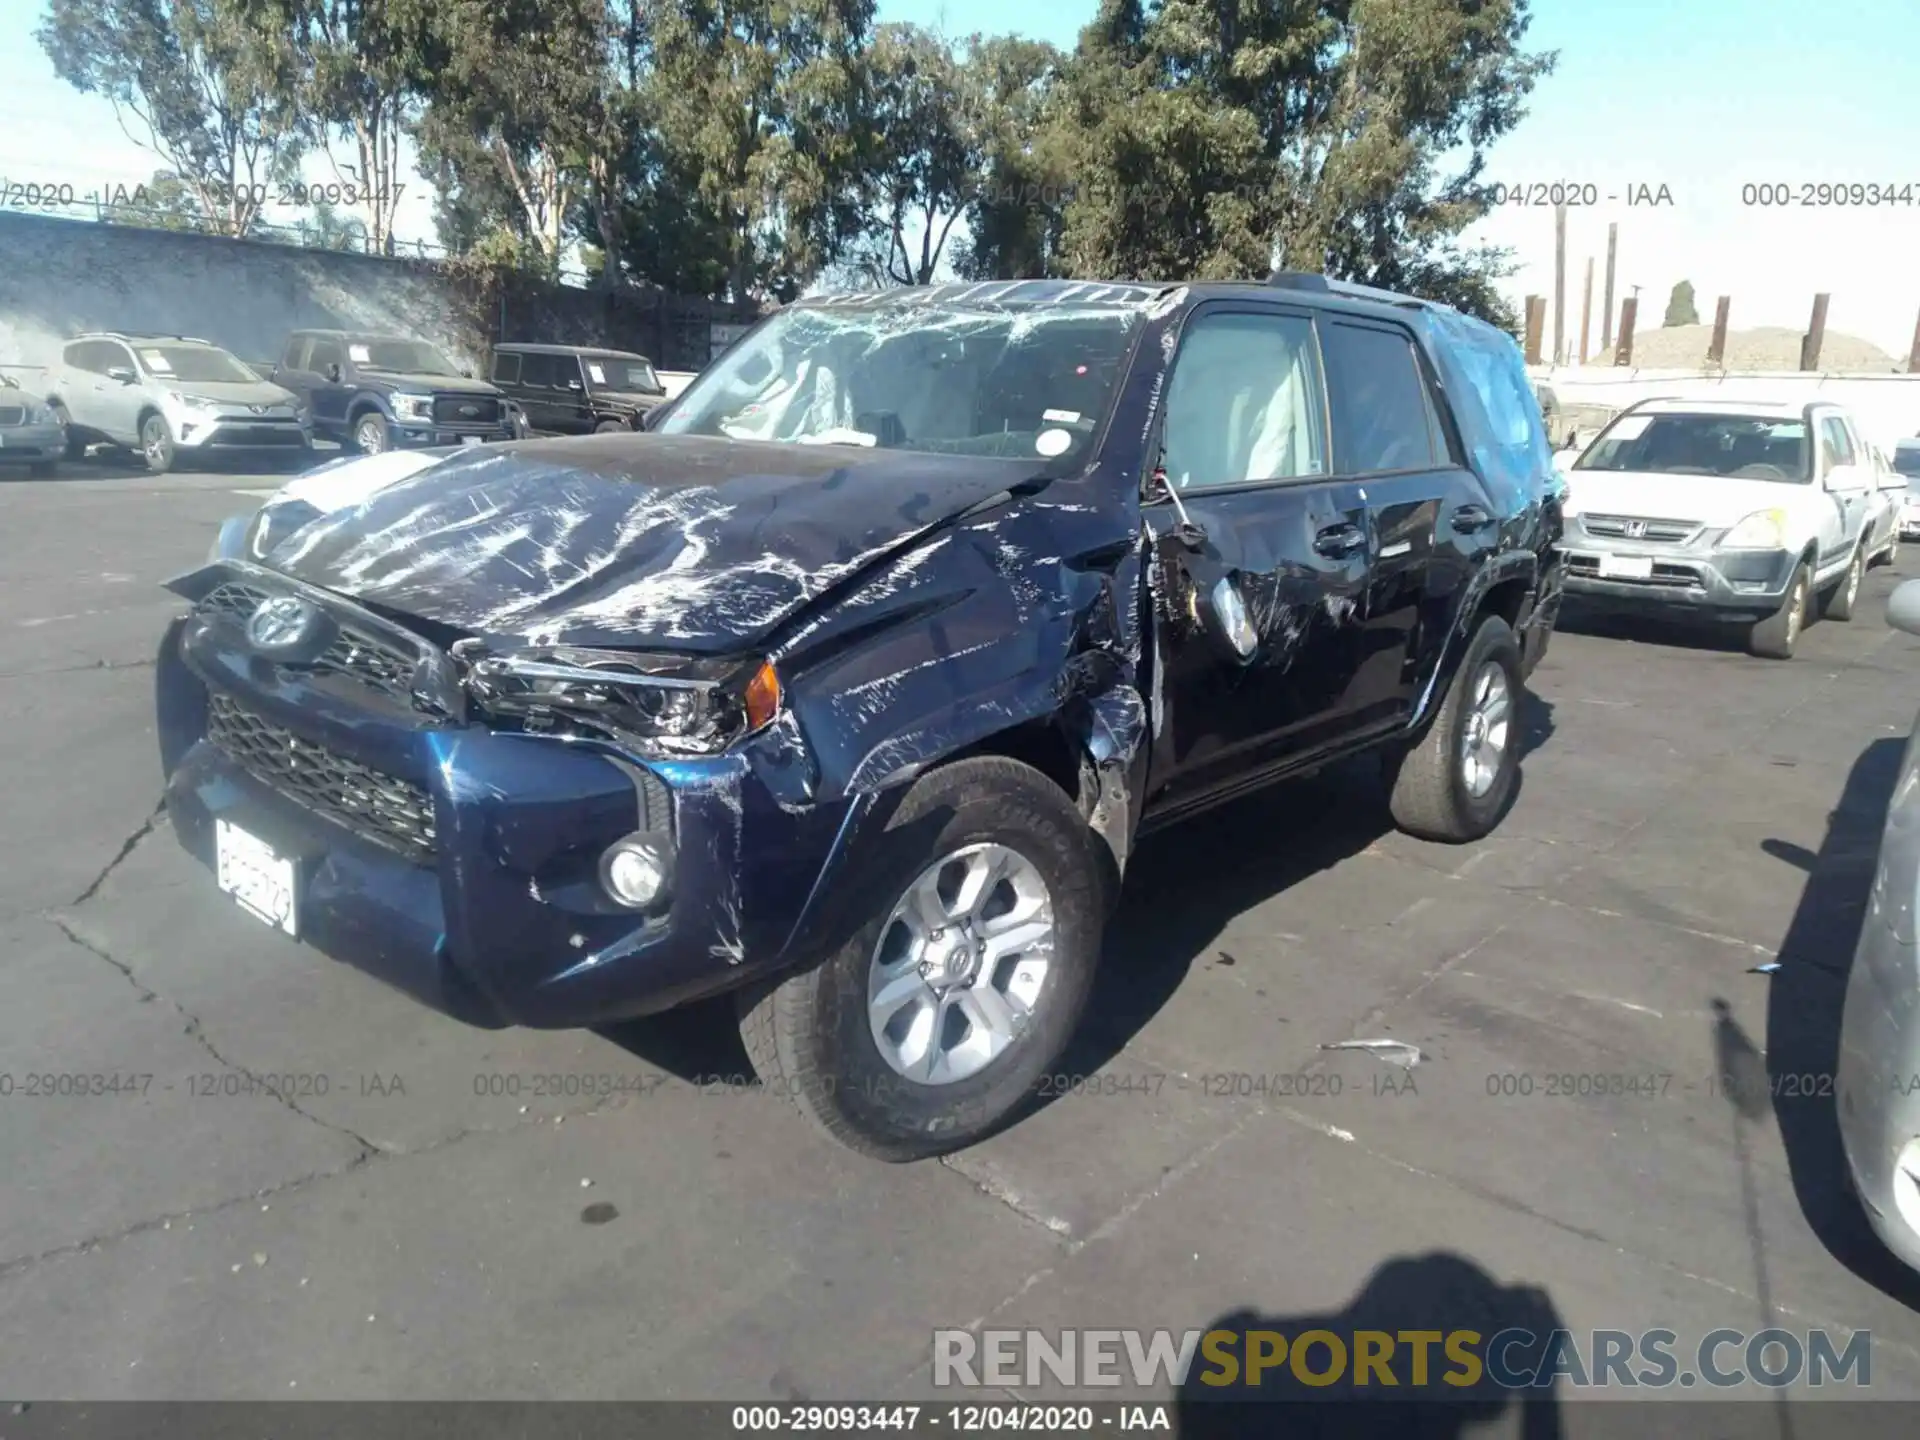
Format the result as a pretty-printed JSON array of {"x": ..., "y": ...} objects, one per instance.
[{"x": 1245, "y": 457}]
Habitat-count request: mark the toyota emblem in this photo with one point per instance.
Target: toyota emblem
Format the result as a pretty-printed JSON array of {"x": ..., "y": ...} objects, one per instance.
[
  {"x": 281, "y": 624},
  {"x": 257, "y": 409}
]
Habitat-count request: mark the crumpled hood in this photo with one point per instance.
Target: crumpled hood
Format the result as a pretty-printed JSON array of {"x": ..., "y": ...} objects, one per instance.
[
  {"x": 676, "y": 542},
  {"x": 1717, "y": 500}
]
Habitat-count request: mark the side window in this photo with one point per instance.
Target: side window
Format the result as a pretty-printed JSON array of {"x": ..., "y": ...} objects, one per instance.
[
  {"x": 1245, "y": 402},
  {"x": 1380, "y": 404},
  {"x": 1835, "y": 441},
  {"x": 506, "y": 368},
  {"x": 114, "y": 356},
  {"x": 295, "y": 358},
  {"x": 322, "y": 352},
  {"x": 78, "y": 356}
]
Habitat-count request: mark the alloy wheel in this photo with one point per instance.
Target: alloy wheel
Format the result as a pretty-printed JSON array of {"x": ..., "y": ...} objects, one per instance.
[
  {"x": 960, "y": 964},
  {"x": 371, "y": 435},
  {"x": 1488, "y": 728},
  {"x": 155, "y": 443}
]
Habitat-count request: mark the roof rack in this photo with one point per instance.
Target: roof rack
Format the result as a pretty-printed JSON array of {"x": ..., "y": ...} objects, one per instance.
[
  {"x": 155, "y": 335},
  {"x": 1325, "y": 285}
]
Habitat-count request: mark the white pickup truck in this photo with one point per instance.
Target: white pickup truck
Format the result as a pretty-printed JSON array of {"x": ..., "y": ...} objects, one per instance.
[{"x": 1739, "y": 511}]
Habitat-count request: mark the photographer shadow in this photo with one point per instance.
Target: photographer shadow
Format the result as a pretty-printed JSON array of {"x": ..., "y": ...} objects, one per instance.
[{"x": 1439, "y": 1293}]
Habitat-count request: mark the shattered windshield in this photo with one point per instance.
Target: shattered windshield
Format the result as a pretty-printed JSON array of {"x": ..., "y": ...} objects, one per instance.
[
  {"x": 1012, "y": 382},
  {"x": 1745, "y": 447}
]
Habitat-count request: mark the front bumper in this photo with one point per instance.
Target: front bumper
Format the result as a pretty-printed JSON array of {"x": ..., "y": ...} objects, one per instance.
[
  {"x": 235, "y": 432},
  {"x": 1877, "y": 1087},
  {"x": 502, "y": 919},
  {"x": 1909, "y": 524},
  {"x": 1683, "y": 580},
  {"x": 414, "y": 435},
  {"x": 31, "y": 444}
]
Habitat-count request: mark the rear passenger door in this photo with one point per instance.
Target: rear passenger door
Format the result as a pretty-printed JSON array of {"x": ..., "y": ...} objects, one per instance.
[
  {"x": 1430, "y": 516},
  {"x": 1244, "y": 450}
]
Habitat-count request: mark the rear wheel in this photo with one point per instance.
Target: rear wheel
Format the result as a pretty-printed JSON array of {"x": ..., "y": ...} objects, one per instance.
[
  {"x": 1774, "y": 638},
  {"x": 931, "y": 1021},
  {"x": 1455, "y": 785},
  {"x": 156, "y": 444},
  {"x": 370, "y": 434},
  {"x": 1845, "y": 597}
]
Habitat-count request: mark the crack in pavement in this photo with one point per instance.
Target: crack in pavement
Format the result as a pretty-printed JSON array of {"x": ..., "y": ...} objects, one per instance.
[
  {"x": 126, "y": 848},
  {"x": 197, "y": 1033}
]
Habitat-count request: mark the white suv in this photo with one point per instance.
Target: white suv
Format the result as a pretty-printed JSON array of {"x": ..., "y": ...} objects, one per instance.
[
  {"x": 1741, "y": 511},
  {"x": 162, "y": 394}
]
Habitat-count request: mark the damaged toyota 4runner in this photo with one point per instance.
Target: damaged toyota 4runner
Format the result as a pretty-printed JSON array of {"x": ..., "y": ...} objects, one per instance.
[{"x": 850, "y": 686}]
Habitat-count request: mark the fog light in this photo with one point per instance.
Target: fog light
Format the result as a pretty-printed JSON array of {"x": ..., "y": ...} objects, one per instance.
[{"x": 634, "y": 871}]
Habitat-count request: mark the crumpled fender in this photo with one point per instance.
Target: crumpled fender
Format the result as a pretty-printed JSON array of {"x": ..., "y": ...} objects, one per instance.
[{"x": 1508, "y": 565}]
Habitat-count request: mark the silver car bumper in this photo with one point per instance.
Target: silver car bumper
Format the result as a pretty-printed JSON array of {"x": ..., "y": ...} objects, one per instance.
[
  {"x": 231, "y": 432},
  {"x": 1693, "y": 578},
  {"x": 1877, "y": 1089},
  {"x": 31, "y": 444}
]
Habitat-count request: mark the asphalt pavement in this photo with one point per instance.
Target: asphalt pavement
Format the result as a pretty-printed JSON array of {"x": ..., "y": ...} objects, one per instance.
[{"x": 326, "y": 1191}]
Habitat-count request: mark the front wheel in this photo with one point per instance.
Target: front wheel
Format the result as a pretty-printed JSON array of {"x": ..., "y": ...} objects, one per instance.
[
  {"x": 973, "y": 950},
  {"x": 1846, "y": 596},
  {"x": 1774, "y": 638},
  {"x": 1455, "y": 785},
  {"x": 607, "y": 427},
  {"x": 156, "y": 445},
  {"x": 370, "y": 434}
]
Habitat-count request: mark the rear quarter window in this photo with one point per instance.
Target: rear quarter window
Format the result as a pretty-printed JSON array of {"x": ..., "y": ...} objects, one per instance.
[{"x": 1495, "y": 404}]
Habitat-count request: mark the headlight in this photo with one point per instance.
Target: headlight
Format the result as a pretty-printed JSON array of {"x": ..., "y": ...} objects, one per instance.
[
  {"x": 413, "y": 407},
  {"x": 695, "y": 707},
  {"x": 195, "y": 404},
  {"x": 1762, "y": 530},
  {"x": 43, "y": 415}
]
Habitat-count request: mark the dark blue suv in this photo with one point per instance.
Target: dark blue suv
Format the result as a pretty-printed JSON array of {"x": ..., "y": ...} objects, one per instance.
[{"x": 850, "y": 684}]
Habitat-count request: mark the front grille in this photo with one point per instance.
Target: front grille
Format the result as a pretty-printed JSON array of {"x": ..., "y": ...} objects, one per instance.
[
  {"x": 232, "y": 434},
  {"x": 379, "y": 666},
  {"x": 388, "y": 811},
  {"x": 1664, "y": 576},
  {"x": 13, "y": 415},
  {"x": 1636, "y": 527},
  {"x": 447, "y": 410}
]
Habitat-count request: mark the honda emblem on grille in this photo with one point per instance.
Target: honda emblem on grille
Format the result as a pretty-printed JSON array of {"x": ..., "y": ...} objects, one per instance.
[
  {"x": 282, "y": 624},
  {"x": 1636, "y": 529}
]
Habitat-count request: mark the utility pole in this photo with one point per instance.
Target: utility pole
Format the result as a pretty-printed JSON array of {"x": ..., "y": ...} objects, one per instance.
[
  {"x": 1606, "y": 314},
  {"x": 1560, "y": 283},
  {"x": 1586, "y": 315}
]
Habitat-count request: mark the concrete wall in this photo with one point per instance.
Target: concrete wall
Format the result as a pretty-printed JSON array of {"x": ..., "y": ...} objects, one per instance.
[
  {"x": 59, "y": 277},
  {"x": 1887, "y": 406}
]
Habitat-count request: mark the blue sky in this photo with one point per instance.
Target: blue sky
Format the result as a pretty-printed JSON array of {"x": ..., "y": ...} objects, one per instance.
[{"x": 1701, "y": 96}]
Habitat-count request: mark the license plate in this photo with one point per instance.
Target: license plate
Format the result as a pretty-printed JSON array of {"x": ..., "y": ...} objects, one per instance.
[
  {"x": 247, "y": 868},
  {"x": 1626, "y": 567},
  {"x": 471, "y": 439}
]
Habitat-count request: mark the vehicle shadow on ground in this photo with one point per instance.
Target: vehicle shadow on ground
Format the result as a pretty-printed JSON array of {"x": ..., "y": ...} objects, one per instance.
[
  {"x": 1439, "y": 1293},
  {"x": 1803, "y": 1021},
  {"x": 1183, "y": 886},
  {"x": 1187, "y": 883},
  {"x": 116, "y": 465},
  {"x": 1674, "y": 635}
]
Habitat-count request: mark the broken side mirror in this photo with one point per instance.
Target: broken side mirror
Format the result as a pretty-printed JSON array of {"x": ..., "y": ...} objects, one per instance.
[{"x": 1222, "y": 614}]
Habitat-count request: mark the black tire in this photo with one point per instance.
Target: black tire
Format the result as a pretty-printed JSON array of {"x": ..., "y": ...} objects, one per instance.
[
  {"x": 1774, "y": 638},
  {"x": 156, "y": 444},
  {"x": 76, "y": 443},
  {"x": 606, "y": 427},
  {"x": 1430, "y": 793},
  {"x": 808, "y": 1031},
  {"x": 1844, "y": 598},
  {"x": 370, "y": 435}
]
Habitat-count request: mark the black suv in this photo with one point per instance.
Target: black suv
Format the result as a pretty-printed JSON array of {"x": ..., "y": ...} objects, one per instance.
[
  {"x": 850, "y": 685},
  {"x": 378, "y": 392},
  {"x": 574, "y": 390}
]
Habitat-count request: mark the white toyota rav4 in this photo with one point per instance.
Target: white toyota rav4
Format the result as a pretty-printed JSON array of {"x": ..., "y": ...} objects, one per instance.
[{"x": 1740, "y": 511}]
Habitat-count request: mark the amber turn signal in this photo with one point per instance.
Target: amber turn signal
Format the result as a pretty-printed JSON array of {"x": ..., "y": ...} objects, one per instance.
[{"x": 763, "y": 696}]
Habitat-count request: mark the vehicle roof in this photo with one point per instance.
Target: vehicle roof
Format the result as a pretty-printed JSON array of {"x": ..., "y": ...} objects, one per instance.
[
  {"x": 1437, "y": 323},
  {"x": 529, "y": 347},
  {"x": 141, "y": 335},
  {"x": 1786, "y": 409}
]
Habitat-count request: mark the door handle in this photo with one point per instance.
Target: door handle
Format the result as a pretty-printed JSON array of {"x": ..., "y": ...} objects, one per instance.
[
  {"x": 1469, "y": 518},
  {"x": 1338, "y": 541}
]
